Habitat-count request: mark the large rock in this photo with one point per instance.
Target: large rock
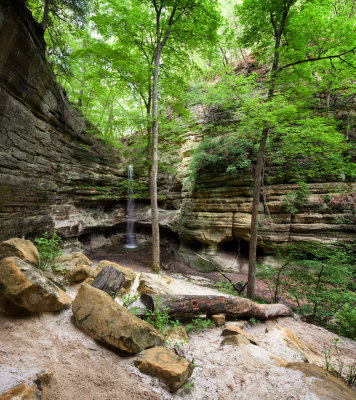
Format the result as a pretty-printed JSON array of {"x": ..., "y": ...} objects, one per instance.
[
  {"x": 235, "y": 340},
  {"x": 219, "y": 319},
  {"x": 28, "y": 288},
  {"x": 20, "y": 248},
  {"x": 68, "y": 261},
  {"x": 233, "y": 330},
  {"x": 103, "y": 319},
  {"x": 166, "y": 365},
  {"x": 154, "y": 284},
  {"x": 7, "y": 307},
  {"x": 79, "y": 273},
  {"x": 323, "y": 383},
  {"x": 54, "y": 279},
  {"x": 128, "y": 273},
  {"x": 21, "y": 392}
]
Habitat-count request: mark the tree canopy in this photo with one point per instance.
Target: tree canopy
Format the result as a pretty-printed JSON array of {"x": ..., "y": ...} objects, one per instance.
[{"x": 275, "y": 81}]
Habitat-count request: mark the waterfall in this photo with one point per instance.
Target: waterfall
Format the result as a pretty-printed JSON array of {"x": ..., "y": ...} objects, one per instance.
[{"x": 131, "y": 240}]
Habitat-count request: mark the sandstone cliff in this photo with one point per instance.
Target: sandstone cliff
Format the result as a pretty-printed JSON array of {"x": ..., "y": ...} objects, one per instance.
[
  {"x": 55, "y": 174},
  {"x": 52, "y": 172}
]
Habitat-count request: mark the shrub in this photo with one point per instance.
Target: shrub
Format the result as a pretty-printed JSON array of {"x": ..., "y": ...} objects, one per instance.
[
  {"x": 346, "y": 319},
  {"x": 49, "y": 247},
  {"x": 199, "y": 324},
  {"x": 226, "y": 287},
  {"x": 294, "y": 199},
  {"x": 319, "y": 281},
  {"x": 223, "y": 154},
  {"x": 161, "y": 320}
]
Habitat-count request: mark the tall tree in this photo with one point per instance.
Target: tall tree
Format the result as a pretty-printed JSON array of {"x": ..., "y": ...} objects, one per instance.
[
  {"x": 177, "y": 21},
  {"x": 270, "y": 28},
  {"x": 158, "y": 35}
]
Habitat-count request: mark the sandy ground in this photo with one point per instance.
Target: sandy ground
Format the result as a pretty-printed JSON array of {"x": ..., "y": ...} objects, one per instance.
[{"x": 85, "y": 370}]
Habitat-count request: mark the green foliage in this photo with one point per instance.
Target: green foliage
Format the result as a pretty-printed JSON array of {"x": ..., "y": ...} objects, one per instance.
[
  {"x": 199, "y": 324},
  {"x": 338, "y": 367},
  {"x": 128, "y": 299},
  {"x": 188, "y": 386},
  {"x": 160, "y": 319},
  {"x": 311, "y": 149},
  {"x": 224, "y": 154},
  {"x": 346, "y": 319},
  {"x": 253, "y": 321},
  {"x": 302, "y": 145},
  {"x": 66, "y": 19},
  {"x": 294, "y": 199},
  {"x": 319, "y": 281},
  {"x": 49, "y": 247},
  {"x": 140, "y": 189},
  {"x": 225, "y": 287}
]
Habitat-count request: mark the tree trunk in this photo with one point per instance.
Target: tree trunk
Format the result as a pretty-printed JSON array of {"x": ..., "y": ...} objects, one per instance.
[
  {"x": 108, "y": 125},
  {"x": 259, "y": 162},
  {"x": 154, "y": 167},
  {"x": 81, "y": 91},
  {"x": 88, "y": 101},
  {"x": 103, "y": 111},
  {"x": 110, "y": 280},
  {"x": 254, "y": 216},
  {"x": 44, "y": 22},
  {"x": 187, "y": 306}
]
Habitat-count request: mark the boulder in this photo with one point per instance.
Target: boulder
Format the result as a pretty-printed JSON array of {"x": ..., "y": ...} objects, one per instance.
[
  {"x": 97, "y": 314},
  {"x": 166, "y": 365},
  {"x": 128, "y": 273},
  {"x": 177, "y": 334},
  {"x": 20, "y": 248},
  {"x": 21, "y": 392},
  {"x": 54, "y": 279},
  {"x": 79, "y": 273},
  {"x": 323, "y": 383},
  {"x": 68, "y": 261},
  {"x": 154, "y": 284},
  {"x": 7, "y": 307},
  {"x": 218, "y": 319},
  {"x": 28, "y": 288},
  {"x": 235, "y": 330},
  {"x": 235, "y": 340}
]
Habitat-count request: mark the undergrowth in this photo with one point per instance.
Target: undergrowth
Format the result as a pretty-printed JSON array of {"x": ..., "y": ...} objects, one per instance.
[
  {"x": 319, "y": 281},
  {"x": 49, "y": 248},
  {"x": 338, "y": 368}
]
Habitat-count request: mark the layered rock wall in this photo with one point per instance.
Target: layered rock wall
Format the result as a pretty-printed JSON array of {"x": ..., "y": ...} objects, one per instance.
[
  {"x": 53, "y": 174},
  {"x": 213, "y": 220}
]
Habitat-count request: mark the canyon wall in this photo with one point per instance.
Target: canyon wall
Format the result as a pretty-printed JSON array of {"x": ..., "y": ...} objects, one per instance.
[
  {"x": 213, "y": 220},
  {"x": 53, "y": 173}
]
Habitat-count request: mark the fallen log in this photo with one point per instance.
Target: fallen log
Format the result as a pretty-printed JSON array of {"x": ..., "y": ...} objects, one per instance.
[
  {"x": 110, "y": 280},
  {"x": 185, "y": 306}
]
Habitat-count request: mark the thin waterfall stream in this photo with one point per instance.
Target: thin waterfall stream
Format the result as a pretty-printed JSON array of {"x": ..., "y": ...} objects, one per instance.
[{"x": 131, "y": 238}]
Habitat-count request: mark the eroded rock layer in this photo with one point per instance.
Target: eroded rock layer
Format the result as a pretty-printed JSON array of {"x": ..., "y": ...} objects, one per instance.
[{"x": 52, "y": 172}]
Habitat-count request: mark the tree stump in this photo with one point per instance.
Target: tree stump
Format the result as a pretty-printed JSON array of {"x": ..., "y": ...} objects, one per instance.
[{"x": 110, "y": 280}]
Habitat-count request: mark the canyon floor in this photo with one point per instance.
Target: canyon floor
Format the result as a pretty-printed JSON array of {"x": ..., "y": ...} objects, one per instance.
[{"x": 85, "y": 370}]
